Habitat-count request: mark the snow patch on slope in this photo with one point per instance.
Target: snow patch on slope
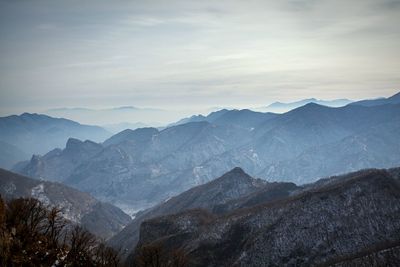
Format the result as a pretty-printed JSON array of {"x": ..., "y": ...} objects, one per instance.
[
  {"x": 9, "y": 188},
  {"x": 38, "y": 193}
]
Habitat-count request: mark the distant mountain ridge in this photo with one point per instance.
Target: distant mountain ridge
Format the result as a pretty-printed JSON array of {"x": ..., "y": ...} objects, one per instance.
[
  {"x": 37, "y": 134},
  {"x": 117, "y": 115},
  {"x": 280, "y": 107},
  {"x": 394, "y": 99},
  {"x": 244, "y": 118},
  {"x": 102, "y": 219},
  {"x": 144, "y": 166}
]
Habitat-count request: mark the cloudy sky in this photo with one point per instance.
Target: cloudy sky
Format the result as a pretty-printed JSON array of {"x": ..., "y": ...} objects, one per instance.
[{"x": 186, "y": 54}]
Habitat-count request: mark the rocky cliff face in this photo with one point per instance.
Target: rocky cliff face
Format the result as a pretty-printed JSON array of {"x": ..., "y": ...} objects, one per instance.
[
  {"x": 102, "y": 219},
  {"x": 57, "y": 165},
  {"x": 352, "y": 219}
]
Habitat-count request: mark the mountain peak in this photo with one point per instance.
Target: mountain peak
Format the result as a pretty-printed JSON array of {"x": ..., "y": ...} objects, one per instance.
[
  {"x": 33, "y": 115},
  {"x": 73, "y": 146},
  {"x": 139, "y": 134},
  {"x": 237, "y": 171},
  {"x": 35, "y": 158},
  {"x": 72, "y": 142},
  {"x": 236, "y": 175},
  {"x": 312, "y": 104},
  {"x": 279, "y": 106},
  {"x": 308, "y": 107}
]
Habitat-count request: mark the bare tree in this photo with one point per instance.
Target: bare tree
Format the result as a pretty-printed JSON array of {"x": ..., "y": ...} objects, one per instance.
[
  {"x": 4, "y": 236},
  {"x": 150, "y": 256},
  {"x": 106, "y": 256},
  {"x": 179, "y": 258},
  {"x": 32, "y": 235},
  {"x": 81, "y": 248},
  {"x": 55, "y": 225},
  {"x": 157, "y": 256},
  {"x": 27, "y": 215}
]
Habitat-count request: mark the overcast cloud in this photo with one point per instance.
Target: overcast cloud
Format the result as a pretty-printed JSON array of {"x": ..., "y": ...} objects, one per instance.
[{"x": 185, "y": 54}]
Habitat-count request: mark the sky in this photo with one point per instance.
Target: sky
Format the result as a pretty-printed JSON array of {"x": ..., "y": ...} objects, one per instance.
[{"x": 195, "y": 54}]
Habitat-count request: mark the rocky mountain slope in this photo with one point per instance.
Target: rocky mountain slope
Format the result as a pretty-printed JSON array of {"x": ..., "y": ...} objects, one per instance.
[
  {"x": 233, "y": 189},
  {"x": 350, "y": 220},
  {"x": 57, "y": 165},
  {"x": 376, "y": 146},
  {"x": 145, "y": 166},
  {"x": 285, "y": 148},
  {"x": 102, "y": 219},
  {"x": 38, "y": 134}
]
